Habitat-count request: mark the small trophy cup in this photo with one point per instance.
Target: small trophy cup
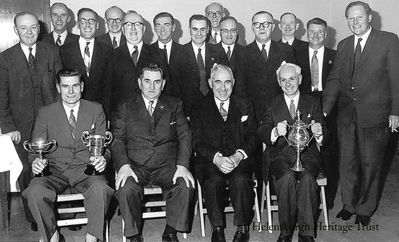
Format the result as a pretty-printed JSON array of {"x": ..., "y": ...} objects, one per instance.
[
  {"x": 41, "y": 147},
  {"x": 299, "y": 138},
  {"x": 96, "y": 144}
]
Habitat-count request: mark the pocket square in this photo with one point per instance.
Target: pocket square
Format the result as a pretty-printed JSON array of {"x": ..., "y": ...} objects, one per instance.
[
  {"x": 330, "y": 62},
  {"x": 172, "y": 123},
  {"x": 244, "y": 118}
]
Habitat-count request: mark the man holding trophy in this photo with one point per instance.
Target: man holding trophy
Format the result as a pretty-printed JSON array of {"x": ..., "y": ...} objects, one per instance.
[
  {"x": 293, "y": 169},
  {"x": 64, "y": 122}
]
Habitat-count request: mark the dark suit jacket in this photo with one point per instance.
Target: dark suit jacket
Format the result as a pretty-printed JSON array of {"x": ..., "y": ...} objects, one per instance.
[
  {"x": 303, "y": 62},
  {"x": 373, "y": 92},
  {"x": 69, "y": 38},
  {"x": 136, "y": 143},
  {"x": 106, "y": 39},
  {"x": 97, "y": 85},
  {"x": 207, "y": 124},
  {"x": 125, "y": 74},
  {"x": 277, "y": 111},
  {"x": 260, "y": 76},
  {"x": 17, "y": 111},
  {"x": 52, "y": 123},
  {"x": 188, "y": 80}
]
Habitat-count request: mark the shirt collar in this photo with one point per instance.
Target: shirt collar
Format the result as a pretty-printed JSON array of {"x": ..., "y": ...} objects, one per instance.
[
  {"x": 147, "y": 102},
  {"x": 288, "y": 100},
  {"x": 320, "y": 51},
  {"x": 63, "y": 36},
  {"x": 168, "y": 45},
  {"x": 267, "y": 45},
  {"x": 364, "y": 38},
  {"x": 290, "y": 41},
  {"x": 83, "y": 41},
  {"x": 196, "y": 48},
  {"x": 226, "y": 104},
  {"x": 131, "y": 47},
  {"x": 25, "y": 49},
  {"x": 225, "y": 47},
  {"x": 75, "y": 110}
]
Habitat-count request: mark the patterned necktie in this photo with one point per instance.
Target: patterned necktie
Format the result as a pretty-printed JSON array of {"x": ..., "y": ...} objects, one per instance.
[
  {"x": 114, "y": 43},
  {"x": 58, "y": 42},
  {"x": 72, "y": 123},
  {"x": 31, "y": 58},
  {"x": 201, "y": 67},
  {"x": 292, "y": 109},
  {"x": 264, "y": 52},
  {"x": 223, "y": 111},
  {"x": 87, "y": 58},
  {"x": 150, "y": 108},
  {"x": 358, "y": 53},
  {"x": 314, "y": 69},
  {"x": 135, "y": 54},
  {"x": 165, "y": 51},
  {"x": 228, "y": 53}
]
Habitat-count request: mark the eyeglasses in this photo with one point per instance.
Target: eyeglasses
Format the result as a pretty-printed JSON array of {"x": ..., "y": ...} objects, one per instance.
[
  {"x": 265, "y": 25},
  {"x": 227, "y": 31},
  {"x": 32, "y": 28},
  {"x": 131, "y": 24},
  {"x": 90, "y": 21},
  {"x": 114, "y": 20},
  {"x": 214, "y": 14}
]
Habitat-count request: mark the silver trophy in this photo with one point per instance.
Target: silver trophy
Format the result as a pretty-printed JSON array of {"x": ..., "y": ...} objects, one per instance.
[
  {"x": 41, "y": 147},
  {"x": 299, "y": 138},
  {"x": 96, "y": 144}
]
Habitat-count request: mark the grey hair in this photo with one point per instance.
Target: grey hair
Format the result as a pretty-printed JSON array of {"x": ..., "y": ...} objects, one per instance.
[
  {"x": 285, "y": 64},
  {"x": 217, "y": 67}
]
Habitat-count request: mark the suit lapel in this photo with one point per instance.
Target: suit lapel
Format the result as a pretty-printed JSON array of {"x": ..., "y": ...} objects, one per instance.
[
  {"x": 326, "y": 59},
  {"x": 75, "y": 51},
  {"x": 95, "y": 59},
  {"x": 283, "y": 113},
  {"x": 304, "y": 108},
  {"x": 368, "y": 48},
  {"x": 64, "y": 124},
  {"x": 21, "y": 58},
  {"x": 84, "y": 118},
  {"x": 159, "y": 110}
]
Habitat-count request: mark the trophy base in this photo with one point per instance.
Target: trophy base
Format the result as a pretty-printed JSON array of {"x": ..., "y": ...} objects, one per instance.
[
  {"x": 91, "y": 171},
  {"x": 298, "y": 169}
]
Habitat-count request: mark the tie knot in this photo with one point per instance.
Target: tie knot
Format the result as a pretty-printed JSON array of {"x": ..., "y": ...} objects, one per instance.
[
  {"x": 263, "y": 46},
  {"x": 72, "y": 111},
  {"x": 228, "y": 47},
  {"x": 114, "y": 37},
  {"x": 164, "y": 47},
  {"x": 315, "y": 53},
  {"x": 199, "y": 50},
  {"x": 221, "y": 104},
  {"x": 87, "y": 43},
  {"x": 59, "y": 36},
  {"x": 359, "y": 40},
  {"x": 292, "y": 101},
  {"x": 30, "y": 49},
  {"x": 135, "y": 48},
  {"x": 151, "y": 102}
]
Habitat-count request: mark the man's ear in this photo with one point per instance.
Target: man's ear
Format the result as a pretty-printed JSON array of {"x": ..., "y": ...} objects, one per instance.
[
  {"x": 58, "y": 88},
  {"x": 210, "y": 82}
]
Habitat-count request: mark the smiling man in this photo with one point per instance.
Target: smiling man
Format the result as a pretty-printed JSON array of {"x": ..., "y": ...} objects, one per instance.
[{"x": 114, "y": 37}]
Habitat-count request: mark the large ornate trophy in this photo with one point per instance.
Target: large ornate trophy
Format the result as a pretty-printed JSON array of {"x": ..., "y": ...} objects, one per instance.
[
  {"x": 299, "y": 138},
  {"x": 96, "y": 144},
  {"x": 41, "y": 147}
]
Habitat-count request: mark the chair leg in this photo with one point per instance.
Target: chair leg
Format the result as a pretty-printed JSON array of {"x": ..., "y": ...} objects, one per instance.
[
  {"x": 257, "y": 210},
  {"x": 107, "y": 230},
  {"x": 123, "y": 229},
  {"x": 324, "y": 205},
  {"x": 269, "y": 211},
  {"x": 201, "y": 209},
  {"x": 263, "y": 197}
]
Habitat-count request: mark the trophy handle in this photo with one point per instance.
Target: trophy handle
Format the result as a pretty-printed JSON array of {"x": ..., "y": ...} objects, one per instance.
[
  {"x": 310, "y": 125},
  {"x": 27, "y": 146},
  {"x": 108, "y": 138},
  {"x": 54, "y": 146},
  {"x": 84, "y": 137}
]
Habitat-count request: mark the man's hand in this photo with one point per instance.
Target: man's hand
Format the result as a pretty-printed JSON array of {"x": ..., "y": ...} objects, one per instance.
[
  {"x": 98, "y": 162},
  {"x": 282, "y": 128},
  {"x": 393, "y": 123},
  {"x": 182, "y": 172},
  {"x": 316, "y": 129},
  {"x": 236, "y": 158},
  {"x": 15, "y": 136},
  {"x": 123, "y": 174},
  {"x": 38, "y": 165},
  {"x": 224, "y": 164}
]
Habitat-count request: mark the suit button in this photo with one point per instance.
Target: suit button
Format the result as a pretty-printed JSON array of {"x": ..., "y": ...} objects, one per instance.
[{"x": 355, "y": 99}]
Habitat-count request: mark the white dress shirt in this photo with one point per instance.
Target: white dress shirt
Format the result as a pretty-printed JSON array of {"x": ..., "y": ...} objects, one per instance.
[
  {"x": 131, "y": 48},
  {"x": 63, "y": 37},
  {"x": 25, "y": 49},
  {"x": 168, "y": 48},
  {"x": 195, "y": 48},
  {"x": 75, "y": 110},
  {"x": 364, "y": 39},
  {"x": 267, "y": 47}
]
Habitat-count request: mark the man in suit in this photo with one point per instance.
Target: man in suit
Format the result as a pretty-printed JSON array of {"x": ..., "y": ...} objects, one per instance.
[
  {"x": 316, "y": 62},
  {"x": 60, "y": 18},
  {"x": 114, "y": 38},
  {"x": 214, "y": 12},
  {"x": 364, "y": 81},
  {"x": 233, "y": 50},
  {"x": 152, "y": 146},
  {"x": 27, "y": 82},
  {"x": 289, "y": 25},
  {"x": 64, "y": 121},
  {"x": 129, "y": 59},
  {"x": 224, "y": 139},
  {"x": 197, "y": 58},
  {"x": 296, "y": 191},
  {"x": 91, "y": 58}
]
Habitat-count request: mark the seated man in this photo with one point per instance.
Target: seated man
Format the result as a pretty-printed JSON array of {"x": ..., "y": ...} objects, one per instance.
[
  {"x": 296, "y": 191},
  {"x": 152, "y": 145},
  {"x": 224, "y": 134},
  {"x": 64, "y": 121}
]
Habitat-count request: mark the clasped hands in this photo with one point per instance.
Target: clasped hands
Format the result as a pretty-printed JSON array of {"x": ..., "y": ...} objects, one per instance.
[
  {"x": 281, "y": 129},
  {"x": 228, "y": 164}
]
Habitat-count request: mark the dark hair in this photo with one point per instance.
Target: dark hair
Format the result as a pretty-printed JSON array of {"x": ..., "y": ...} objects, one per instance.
[
  {"x": 317, "y": 21},
  {"x": 198, "y": 17},
  {"x": 22, "y": 14},
  {"x": 366, "y": 7},
  {"x": 262, "y": 12},
  {"x": 228, "y": 18},
  {"x": 67, "y": 73},
  {"x": 287, "y": 13},
  {"x": 87, "y": 10},
  {"x": 163, "y": 15},
  {"x": 151, "y": 67}
]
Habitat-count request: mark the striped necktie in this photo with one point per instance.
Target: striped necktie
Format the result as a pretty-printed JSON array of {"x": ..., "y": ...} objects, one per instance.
[{"x": 72, "y": 123}]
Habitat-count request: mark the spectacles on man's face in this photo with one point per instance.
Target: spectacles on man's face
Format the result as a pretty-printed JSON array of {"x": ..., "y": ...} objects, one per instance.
[
  {"x": 32, "y": 28},
  {"x": 90, "y": 21},
  {"x": 114, "y": 20},
  {"x": 131, "y": 24},
  {"x": 265, "y": 24},
  {"x": 214, "y": 14},
  {"x": 228, "y": 31}
]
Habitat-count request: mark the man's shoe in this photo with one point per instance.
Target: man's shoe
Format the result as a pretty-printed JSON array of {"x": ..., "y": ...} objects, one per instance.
[
  {"x": 136, "y": 238},
  {"x": 284, "y": 238},
  {"x": 75, "y": 227},
  {"x": 169, "y": 238},
  {"x": 304, "y": 238},
  {"x": 344, "y": 214},
  {"x": 33, "y": 226},
  {"x": 242, "y": 234},
  {"x": 218, "y": 235},
  {"x": 363, "y": 219}
]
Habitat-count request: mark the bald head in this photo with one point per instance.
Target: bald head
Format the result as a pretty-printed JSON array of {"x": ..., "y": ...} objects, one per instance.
[
  {"x": 214, "y": 12},
  {"x": 60, "y": 18},
  {"x": 114, "y": 16},
  {"x": 133, "y": 28}
]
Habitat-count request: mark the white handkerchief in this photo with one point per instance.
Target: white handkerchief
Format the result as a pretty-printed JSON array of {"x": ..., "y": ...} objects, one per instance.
[
  {"x": 10, "y": 161},
  {"x": 244, "y": 118}
]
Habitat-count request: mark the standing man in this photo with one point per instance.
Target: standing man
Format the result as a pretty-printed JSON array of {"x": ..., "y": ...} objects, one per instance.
[
  {"x": 60, "y": 18},
  {"x": 214, "y": 12},
  {"x": 64, "y": 121},
  {"x": 288, "y": 26},
  {"x": 224, "y": 141},
  {"x": 198, "y": 58},
  {"x": 91, "y": 58},
  {"x": 152, "y": 145},
  {"x": 27, "y": 82},
  {"x": 114, "y": 38},
  {"x": 365, "y": 82}
]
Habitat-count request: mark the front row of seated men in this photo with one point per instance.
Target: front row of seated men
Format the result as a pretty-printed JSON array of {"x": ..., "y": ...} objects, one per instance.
[{"x": 152, "y": 145}]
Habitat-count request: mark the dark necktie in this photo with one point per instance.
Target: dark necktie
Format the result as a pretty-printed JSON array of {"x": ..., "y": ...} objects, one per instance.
[
  {"x": 135, "y": 54},
  {"x": 150, "y": 108},
  {"x": 201, "y": 68},
  {"x": 72, "y": 123},
  {"x": 358, "y": 53},
  {"x": 31, "y": 58},
  {"x": 228, "y": 53},
  {"x": 314, "y": 69},
  {"x": 87, "y": 58},
  {"x": 264, "y": 52},
  {"x": 165, "y": 52},
  {"x": 58, "y": 42},
  {"x": 223, "y": 111},
  {"x": 114, "y": 43},
  {"x": 292, "y": 109},
  {"x": 215, "y": 35}
]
